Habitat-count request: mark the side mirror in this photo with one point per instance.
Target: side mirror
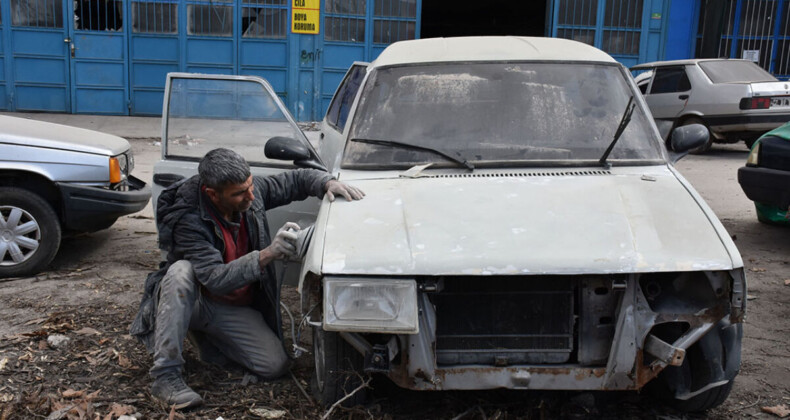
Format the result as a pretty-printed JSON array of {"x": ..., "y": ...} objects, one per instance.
[
  {"x": 686, "y": 138},
  {"x": 285, "y": 148}
]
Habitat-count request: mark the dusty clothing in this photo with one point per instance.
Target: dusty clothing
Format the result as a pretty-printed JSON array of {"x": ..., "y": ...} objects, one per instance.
[
  {"x": 188, "y": 232},
  {"x": 240, "y": 332}
]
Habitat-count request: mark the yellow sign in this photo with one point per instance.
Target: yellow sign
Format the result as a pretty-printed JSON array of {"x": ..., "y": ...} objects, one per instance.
[{"x": 305, "y": 16}]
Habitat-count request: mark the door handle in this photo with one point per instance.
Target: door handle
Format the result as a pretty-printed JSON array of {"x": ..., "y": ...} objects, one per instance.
[
  {"x": 73, "y": 49},
  {"x": 683, "y": 97},
  {"x": 67, "y": 40}
]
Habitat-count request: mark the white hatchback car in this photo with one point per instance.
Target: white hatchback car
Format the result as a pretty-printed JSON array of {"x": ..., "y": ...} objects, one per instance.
[{"x": 523, "y": 228}]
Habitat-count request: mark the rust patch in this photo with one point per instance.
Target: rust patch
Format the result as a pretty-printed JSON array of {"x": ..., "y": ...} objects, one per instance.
[{"x": 645, "y": 374}]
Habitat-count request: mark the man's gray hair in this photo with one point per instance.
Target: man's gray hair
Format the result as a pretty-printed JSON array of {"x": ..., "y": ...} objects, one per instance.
[{"x": 222, "y": 167}]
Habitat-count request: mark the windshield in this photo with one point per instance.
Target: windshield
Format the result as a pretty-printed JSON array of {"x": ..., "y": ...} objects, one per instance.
[
  {"x": 498, "y": 114},
  {"x": 728, "y": 71}
]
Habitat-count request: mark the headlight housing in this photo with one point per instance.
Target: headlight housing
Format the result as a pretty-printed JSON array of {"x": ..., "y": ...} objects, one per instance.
[{"x": 370, "y": 305}]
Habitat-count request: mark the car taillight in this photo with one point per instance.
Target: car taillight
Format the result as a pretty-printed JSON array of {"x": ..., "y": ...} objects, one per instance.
[{"x": 755, "y": 103}]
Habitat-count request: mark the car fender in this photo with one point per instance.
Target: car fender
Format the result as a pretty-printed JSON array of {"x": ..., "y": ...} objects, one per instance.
[{"x": 56, "y": 165}]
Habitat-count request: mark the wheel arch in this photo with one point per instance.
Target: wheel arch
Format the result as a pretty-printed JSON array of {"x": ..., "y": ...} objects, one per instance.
[{"x": 35, "y": 182}]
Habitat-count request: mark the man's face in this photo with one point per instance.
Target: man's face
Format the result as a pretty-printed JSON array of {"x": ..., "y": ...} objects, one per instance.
[{"x": 233, "y": 198}]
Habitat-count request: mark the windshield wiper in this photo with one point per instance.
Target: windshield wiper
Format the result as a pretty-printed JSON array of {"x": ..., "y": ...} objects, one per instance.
[
  {"x": 459, "y": 160},
  {"x": 629, "y": 109}
]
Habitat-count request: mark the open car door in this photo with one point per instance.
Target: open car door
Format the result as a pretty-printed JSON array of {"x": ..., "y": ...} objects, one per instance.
[{"x": 203, "y": 112}]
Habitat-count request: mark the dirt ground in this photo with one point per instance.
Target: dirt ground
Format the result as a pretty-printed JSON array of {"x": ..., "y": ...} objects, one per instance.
[{"x": 92, "y": 290}]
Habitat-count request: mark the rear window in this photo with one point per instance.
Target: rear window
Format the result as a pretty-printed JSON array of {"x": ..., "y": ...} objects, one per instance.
[{"x": 735, "y": 71}]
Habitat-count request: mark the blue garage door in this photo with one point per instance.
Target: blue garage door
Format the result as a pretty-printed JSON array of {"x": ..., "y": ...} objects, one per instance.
[
  {"x": 38, "y": 48},
  {"x": 359, "y": 30},
  {"x": 153, "y": 52},
  {"x": 3, "y": 62},
  {"x": 629, "y": 30},
  {"x": 98, "y": 57}
]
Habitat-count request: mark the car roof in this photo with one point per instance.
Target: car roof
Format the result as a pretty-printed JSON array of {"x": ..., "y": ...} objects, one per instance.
[
  {"x": 691, "y": 61},
  {"x": 488, "y": 48}
]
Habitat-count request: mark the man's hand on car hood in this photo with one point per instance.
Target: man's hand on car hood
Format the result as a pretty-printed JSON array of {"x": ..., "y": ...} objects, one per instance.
[{"x": 334, "y": 187}]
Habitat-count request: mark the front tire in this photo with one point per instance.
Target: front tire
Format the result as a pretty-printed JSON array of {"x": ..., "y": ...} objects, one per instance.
[
  {"x": 338, "y": 369},
  {"x": 29, "y": 233},
  {"x": 715, "y": 357}
]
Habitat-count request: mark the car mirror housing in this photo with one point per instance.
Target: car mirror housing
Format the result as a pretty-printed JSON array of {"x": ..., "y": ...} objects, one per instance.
[
  {"x": 286, "y": 148},
  {"x": 686, "y": 138}
]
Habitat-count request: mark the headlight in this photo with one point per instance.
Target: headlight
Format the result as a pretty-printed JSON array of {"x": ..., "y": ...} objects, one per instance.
[
  {"x": 754, "y": 155},
  {"x": 367, "y": 305}
]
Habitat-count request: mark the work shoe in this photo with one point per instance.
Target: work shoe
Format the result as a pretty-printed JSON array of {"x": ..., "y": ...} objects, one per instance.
[{"x": 171, "y": 389}]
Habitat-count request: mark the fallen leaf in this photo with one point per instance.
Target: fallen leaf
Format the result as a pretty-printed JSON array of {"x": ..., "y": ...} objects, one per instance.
[
  {"x": 4, "y": 398},
  {"x": 42, "y": 345},
  {"x": 780, "y": 410},
  {"x": 267, "y": 413},
  {"x": 751, "y": 297},
  {"x": 757, "y": 270},
  {"x": 35, "y": 321},
  {"x": 70, "y": 393},
  {"x": 92, "y": 395},
  {"x": 124, "y": 361},
  {"x": 3, "y": 362},
  {"x": 118, "y": 410},
  {"x": 787, "y": 282},
  {"x": 87, "y": 331}
]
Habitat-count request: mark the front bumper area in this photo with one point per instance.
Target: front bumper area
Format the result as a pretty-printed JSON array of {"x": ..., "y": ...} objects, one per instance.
[
  {"x": 766, "y": 186},
  {"x": 635, "y": 353},
  {"x": 88, "y": 209}
]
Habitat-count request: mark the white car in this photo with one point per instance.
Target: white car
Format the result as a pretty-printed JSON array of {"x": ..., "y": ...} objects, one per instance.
[
  {"x": 523, "y": 225},
  {"x": 736, "y": 99}
]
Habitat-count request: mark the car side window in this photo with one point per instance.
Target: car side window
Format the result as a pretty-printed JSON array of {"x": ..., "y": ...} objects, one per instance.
[
  {"x": 670, "y": 79},
  {"x": 643, "y": 86},
  {"x": 337, "y": 114}
]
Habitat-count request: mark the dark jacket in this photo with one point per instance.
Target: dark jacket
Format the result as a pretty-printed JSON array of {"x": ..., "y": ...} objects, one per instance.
[{"x": 188, "y": 232}]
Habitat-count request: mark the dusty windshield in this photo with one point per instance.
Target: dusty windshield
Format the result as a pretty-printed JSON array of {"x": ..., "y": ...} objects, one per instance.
[{"x": 497, "y": 114}]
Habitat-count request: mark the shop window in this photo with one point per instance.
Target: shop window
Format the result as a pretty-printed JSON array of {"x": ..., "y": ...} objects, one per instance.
[
  {"x": 264, "y": 19},
  {"x": 344, "y": 20},
  {"x": 212, "y": 19},
  {"x": 37, "y": 13},
  {"x": 98, "y": 15},
  {"x": 154, "y": 18},
  {"x": 401, "y": 22}
]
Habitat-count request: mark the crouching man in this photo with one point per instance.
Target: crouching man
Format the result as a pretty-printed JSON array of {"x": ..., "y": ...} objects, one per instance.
[{"x": 219, "y": 282}]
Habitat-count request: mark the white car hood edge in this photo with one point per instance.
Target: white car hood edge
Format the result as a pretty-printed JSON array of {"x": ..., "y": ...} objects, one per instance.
[{"x": 634, "y": 220}]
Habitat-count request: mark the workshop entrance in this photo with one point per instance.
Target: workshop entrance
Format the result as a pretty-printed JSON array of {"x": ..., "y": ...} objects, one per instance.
[{"x": 474, "y": 17}]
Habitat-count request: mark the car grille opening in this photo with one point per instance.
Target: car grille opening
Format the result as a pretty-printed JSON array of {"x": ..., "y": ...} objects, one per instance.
[{"x": 504, "y": 321}]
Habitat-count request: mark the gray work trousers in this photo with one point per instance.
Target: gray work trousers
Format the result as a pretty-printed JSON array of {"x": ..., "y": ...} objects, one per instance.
[{"x": 239, "y": 332}]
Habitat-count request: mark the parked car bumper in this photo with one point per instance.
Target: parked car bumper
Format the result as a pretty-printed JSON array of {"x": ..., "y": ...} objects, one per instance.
[
  {"x": 88, "y": 209},
  {"x": 746, "y": 123},
  {"x": 765, "y": 186}
]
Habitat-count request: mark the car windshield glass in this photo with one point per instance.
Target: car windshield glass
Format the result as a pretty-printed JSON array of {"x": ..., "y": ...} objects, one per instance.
[
  {"x": 735, "y": 71},
  {"x": 498, "y": 114},
  {"x": 242, "y": 115}
]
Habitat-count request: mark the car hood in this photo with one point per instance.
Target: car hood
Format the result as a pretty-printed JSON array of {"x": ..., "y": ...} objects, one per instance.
[
  {"x": 34, "y": 133},
  {"x": 485, "y": 223}
]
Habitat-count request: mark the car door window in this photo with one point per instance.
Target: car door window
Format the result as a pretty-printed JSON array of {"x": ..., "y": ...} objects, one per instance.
[
  {"x": 236, "y": 112},
  {"x": 337, "y": 114},
  {"x": 669, "y": 80}
]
